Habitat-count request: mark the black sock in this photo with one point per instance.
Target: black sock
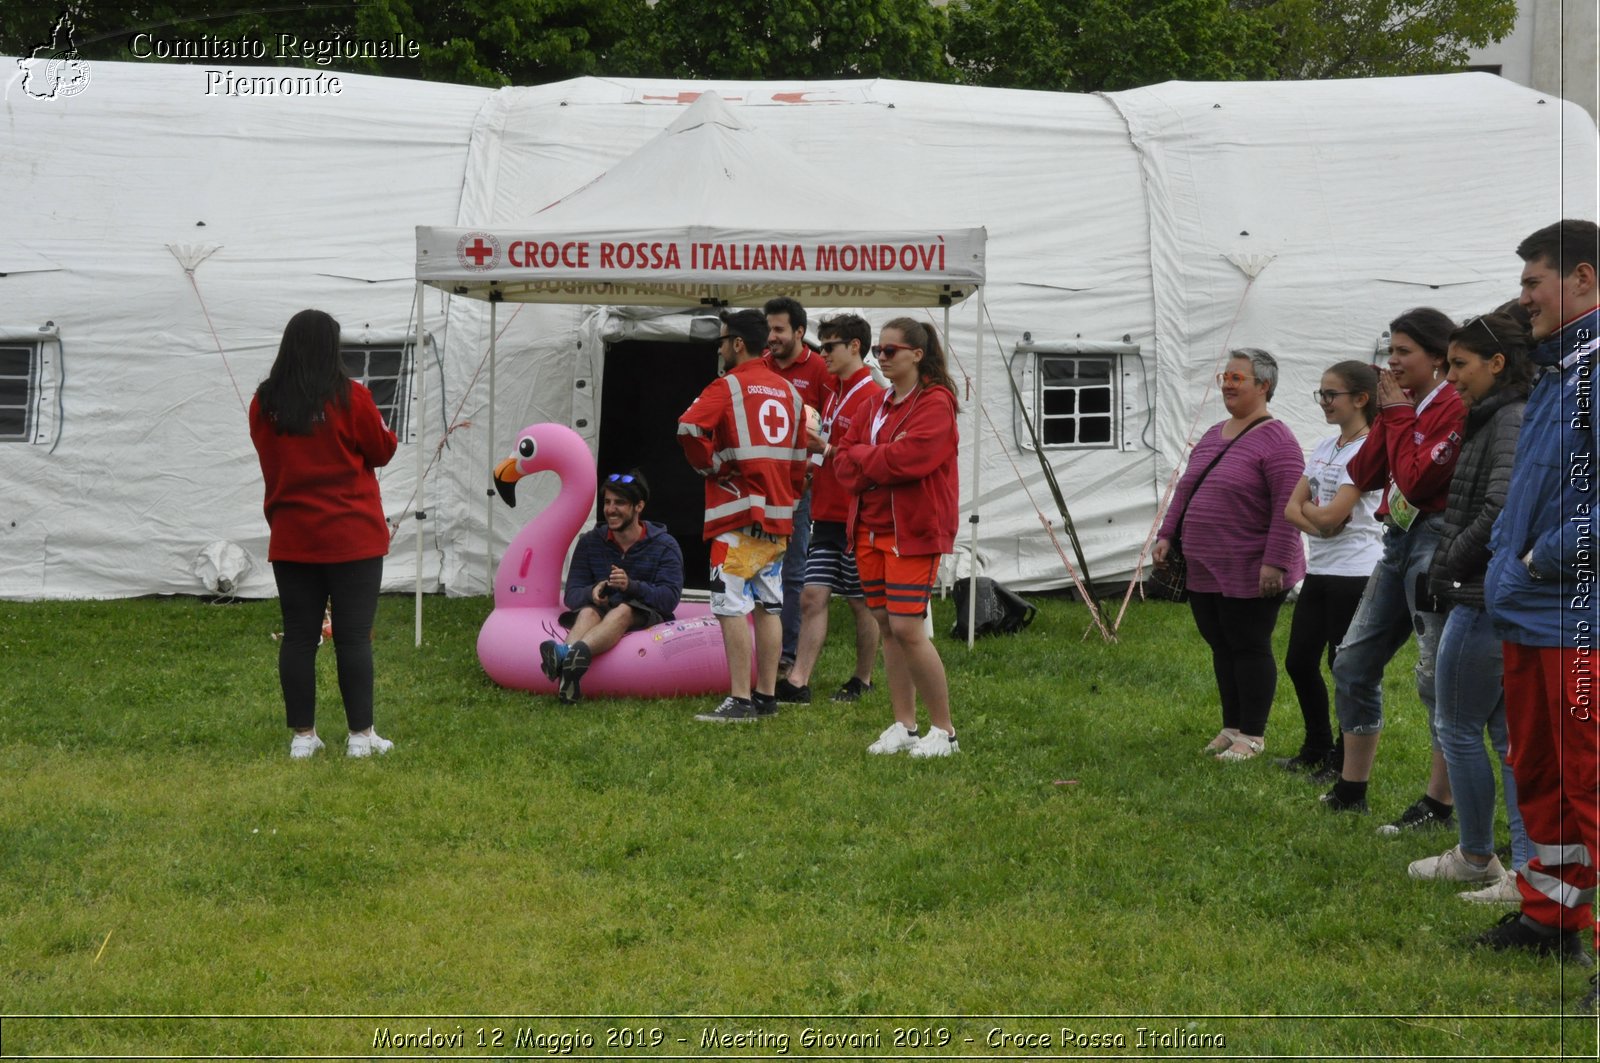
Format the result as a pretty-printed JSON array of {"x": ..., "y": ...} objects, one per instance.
[
  {"x": 1350, "y": 792},
  {"x": 1438, "y": 808}
]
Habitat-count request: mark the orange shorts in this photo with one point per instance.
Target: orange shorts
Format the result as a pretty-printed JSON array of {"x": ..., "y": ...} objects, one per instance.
[{"x": 903, "y": 584}]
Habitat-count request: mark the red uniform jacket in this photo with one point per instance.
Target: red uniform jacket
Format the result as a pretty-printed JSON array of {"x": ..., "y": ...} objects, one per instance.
[
  {"x": 322, "y": 500},
  {"x": 829, "y": 499},
  {"x": 911, "y": 470},
  {"x": 745, "y": 435},
  {"x": 810, "y": 377},
  {"x": 1418, "y": 452}
]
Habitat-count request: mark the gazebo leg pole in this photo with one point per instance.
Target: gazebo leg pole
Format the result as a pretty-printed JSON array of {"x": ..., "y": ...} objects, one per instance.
[{"x": 419, "y": 422}]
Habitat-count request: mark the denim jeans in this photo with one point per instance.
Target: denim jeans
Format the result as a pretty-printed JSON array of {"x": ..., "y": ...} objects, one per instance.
[
  {"x": 794, "y": 573},
  {"x": 1472, "y": 701},
  {"x": 1387, "y": 616}
]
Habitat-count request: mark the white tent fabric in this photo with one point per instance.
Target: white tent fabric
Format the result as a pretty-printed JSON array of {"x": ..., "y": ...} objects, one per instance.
[
  {"x": 708, "y": 211},
  {"x": 1116, "y": 220}
]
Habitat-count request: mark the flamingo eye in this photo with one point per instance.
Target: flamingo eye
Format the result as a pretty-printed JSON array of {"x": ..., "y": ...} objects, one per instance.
[{"x": 526, "y": 447}]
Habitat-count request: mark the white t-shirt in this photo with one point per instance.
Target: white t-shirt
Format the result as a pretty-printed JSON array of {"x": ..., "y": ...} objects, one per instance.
[{"x": 1355, "y": 550}]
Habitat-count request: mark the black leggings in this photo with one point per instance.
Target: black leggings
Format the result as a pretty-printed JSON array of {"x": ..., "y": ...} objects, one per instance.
[
  {"x": 1321, "y": 617},
  {"x": 1239, "y": 632},
  {"x": 304, "y": 591}
]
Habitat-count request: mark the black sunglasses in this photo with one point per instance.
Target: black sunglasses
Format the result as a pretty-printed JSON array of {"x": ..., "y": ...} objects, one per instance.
[{"x": 827, "y": 346}]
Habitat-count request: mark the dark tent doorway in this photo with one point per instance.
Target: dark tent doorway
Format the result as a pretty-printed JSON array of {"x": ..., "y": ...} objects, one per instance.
[{"x": 645, "y": 386}]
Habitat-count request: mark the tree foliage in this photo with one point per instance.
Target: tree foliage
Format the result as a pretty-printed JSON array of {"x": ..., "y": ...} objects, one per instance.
[
  {"x": 1099, "y": 45},
  {"x": 1073, "y": 45},
  {"x": 801, "y": 39}
]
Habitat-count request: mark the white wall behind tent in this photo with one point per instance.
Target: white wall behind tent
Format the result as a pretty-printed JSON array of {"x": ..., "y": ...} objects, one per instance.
[{"x": 1108, "y": 216}]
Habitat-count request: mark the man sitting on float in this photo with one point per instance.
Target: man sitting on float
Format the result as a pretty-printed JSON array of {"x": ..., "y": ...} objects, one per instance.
[{"x": 626, "y": 574}]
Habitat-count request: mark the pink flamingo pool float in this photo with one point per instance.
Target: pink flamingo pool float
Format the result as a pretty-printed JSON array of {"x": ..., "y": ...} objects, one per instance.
[{"x": 682, "y": 656}]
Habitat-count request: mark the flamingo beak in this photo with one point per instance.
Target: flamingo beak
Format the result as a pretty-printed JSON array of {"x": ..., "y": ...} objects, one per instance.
[{"x": 506, "y": 475}]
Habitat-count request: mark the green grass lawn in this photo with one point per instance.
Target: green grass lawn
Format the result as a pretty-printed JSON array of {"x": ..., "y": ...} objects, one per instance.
[{"x": 1078, "y": 865}]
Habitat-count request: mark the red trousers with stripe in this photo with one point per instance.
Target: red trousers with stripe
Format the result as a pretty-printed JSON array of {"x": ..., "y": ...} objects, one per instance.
[{"x": 1553, "y": 722}]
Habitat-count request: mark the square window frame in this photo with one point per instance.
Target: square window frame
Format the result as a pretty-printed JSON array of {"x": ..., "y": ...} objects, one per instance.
[{"x": 1026, "y": 369}]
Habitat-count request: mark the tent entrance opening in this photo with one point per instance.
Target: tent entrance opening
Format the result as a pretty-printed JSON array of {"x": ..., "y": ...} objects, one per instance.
[{"x": 645, "y": 386}]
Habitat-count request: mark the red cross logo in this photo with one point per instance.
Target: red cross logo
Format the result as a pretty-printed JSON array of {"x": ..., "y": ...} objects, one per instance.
[
  {"x": 478, "y": 252},
  {"x": 774, "y": 421}
]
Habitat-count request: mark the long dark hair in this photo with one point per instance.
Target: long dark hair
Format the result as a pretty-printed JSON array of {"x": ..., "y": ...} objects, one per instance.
[
  {"x": 306, "y": 376},
  {"x": 933, "y": 370}
]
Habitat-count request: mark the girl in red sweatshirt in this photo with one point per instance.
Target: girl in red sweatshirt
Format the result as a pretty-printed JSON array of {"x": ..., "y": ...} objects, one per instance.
[
  {"x": 898, "y": 461},
  {"x": 320, "y": 437}
]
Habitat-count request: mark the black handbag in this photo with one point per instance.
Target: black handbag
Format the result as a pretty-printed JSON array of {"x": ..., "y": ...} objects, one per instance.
[
  {"x": 1172, "y": 575},
  {"x": 1000, "y": 611}
]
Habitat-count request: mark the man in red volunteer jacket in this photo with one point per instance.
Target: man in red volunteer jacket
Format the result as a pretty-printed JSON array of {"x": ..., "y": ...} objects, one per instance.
[
  {"x": 830, "y": 564},
  {"x": 789, "y": 357},
  {"x": 744, "y": 435}
]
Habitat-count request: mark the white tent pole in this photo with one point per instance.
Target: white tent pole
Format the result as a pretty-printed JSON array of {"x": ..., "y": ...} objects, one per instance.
[
  {"x": 488, "y": 519},
  {"x": 977, "y": 445},
  {"x": 420, "y": 422}
]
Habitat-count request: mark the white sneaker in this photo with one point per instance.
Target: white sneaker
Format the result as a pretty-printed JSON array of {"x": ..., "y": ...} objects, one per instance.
[
  {"x": 367, "y": 744},
  {"x": 1452, "y": 866},
  {"x": 935, "y": 743},
  {"x": 1504, "y": 891},
  {"x": 895, "y": 738},
  {"x": 302, "y": 746}
]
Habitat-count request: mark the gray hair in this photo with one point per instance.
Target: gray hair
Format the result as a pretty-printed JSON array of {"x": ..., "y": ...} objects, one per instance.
[{"x": 1263, "y": 364}]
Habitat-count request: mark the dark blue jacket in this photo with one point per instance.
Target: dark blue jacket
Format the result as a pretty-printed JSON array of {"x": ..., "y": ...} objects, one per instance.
[
  {"x": 654, "y": 565},
  {"x": 1550, "y": 507}
]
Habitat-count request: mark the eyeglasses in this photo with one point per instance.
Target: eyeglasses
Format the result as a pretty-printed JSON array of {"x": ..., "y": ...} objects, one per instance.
[
  {"x": 619, "y": 478},
  {"x": 889, "y": 350},
  {"x": 1224, "y": 379},
  {"x": 827, "y": 346},
  {"x": 1326, "y": 395}
]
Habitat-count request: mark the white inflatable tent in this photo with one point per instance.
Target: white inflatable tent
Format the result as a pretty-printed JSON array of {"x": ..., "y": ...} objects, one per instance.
[{"x": 157, "y": 239}]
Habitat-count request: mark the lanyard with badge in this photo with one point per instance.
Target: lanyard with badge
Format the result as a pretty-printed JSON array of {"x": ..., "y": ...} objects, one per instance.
[{"x": 836, "y": 404}]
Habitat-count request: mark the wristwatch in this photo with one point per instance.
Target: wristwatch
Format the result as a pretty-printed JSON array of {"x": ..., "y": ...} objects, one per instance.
[{"x": 1533, "y": 573}]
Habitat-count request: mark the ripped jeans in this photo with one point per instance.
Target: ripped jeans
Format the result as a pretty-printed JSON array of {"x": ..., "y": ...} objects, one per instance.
[{"x": 1390, "y": 612}]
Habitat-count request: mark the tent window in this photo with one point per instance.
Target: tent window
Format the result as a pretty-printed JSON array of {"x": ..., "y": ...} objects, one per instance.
[
  {"x": 386, "y": 371},
  {"x": 19, "y": 391},
  {"x": 1075, "y": 400}
]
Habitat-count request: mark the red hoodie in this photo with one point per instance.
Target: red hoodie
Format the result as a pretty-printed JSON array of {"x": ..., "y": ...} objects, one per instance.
[
  {"x": 322, "y": 500},
  {"x": 905, "y": 481}
]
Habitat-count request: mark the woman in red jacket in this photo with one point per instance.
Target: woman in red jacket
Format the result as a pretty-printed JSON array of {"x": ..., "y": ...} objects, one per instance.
[
  {"x": 898, "y": 460},
  {"x": 320, "y": 437},
  {"x": 1410, "y": 453}
]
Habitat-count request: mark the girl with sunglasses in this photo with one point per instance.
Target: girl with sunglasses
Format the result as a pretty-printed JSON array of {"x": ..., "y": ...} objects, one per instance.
[
  {"x": 1411, "y": 454},
  {"x": 1491, "y": 371},
  {"x": 898, "y": 461},
  {"x": 1346, "y": 541}
]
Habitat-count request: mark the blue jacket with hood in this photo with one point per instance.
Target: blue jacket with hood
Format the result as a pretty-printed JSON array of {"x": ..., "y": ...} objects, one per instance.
[{"x": 1550, "y": 510}]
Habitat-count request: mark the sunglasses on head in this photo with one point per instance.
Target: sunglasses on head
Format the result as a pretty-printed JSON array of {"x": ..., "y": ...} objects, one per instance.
[{"x": 619, "y": 478}]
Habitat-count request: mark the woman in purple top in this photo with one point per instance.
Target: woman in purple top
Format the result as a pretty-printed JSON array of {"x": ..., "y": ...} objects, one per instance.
[{"x": 1241, "y": 552}]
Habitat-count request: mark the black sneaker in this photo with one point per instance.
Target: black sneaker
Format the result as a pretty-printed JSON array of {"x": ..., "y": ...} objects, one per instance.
[
  {"x": 1418, "y": 817},
  {"x": 1334, "y": 803},
  {"x": 732, "y": 710},
  {"x": 550, "y": 660},
  {"x": 1327, "y": 773},
  {"x": 1302, "y": 762},
  {"x": 766, "y": 707},
  {"x": 852, "y": 690},
  {"x": 572, "y": 670},
  {"x": 1515, "y": 932},
  {"x": 789, "y": 694}
]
